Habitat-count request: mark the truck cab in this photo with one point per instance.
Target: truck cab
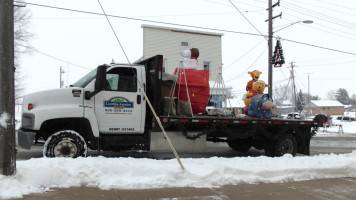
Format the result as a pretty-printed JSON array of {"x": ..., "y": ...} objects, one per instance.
[{"x": 107, "y": 103}]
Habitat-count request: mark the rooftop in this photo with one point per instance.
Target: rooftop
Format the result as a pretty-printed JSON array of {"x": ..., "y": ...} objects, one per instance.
[
  {"x": 326, "y": 103},
  {"x": 181, "y": 30}
]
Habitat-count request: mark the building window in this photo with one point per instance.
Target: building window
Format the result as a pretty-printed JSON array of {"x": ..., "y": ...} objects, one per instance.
[
  {"x": 184, "y": 44},
  {"x": 206, "y": 65}
]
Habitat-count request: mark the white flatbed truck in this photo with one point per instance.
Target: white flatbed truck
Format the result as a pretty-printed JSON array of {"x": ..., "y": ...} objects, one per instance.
[{"x": 106, "y": 110}]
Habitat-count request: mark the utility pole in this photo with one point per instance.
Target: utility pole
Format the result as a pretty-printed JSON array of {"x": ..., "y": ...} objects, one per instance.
[
  {"x": 270, "y": 43},
  {"x": 295, "y": 94},
  {"x": 7, "y": 99},
  {"x": 308, "y": 113},
  {"x": 61, "y": 82}
]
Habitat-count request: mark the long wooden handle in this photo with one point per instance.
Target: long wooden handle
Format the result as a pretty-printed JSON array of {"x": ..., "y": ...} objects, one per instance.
[{"x": 164, "y": 132}]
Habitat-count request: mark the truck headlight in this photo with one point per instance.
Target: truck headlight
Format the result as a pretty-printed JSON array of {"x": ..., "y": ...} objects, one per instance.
[{"x": 28, "y": 120}]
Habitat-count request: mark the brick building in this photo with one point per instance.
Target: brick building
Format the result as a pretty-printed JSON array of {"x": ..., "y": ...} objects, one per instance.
[{"x": 325, "y": 107}]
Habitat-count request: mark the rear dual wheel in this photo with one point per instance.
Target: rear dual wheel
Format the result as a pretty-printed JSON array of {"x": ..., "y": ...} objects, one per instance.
[{"x": 285, "y": 144}]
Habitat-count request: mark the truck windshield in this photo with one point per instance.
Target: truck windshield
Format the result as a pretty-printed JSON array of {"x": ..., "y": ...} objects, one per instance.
[{"x": 86, "y": 79}]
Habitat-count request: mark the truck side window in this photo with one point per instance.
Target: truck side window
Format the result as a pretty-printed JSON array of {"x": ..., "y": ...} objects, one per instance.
[{"x": 122, "y": 79}]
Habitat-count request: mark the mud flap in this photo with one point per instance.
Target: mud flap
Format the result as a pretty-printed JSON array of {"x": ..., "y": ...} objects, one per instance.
[{"x": 25, "y": 139}]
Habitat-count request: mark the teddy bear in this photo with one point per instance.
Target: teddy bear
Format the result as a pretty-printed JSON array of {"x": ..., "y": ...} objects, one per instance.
[
  {"x": 260, "y": 106},
  {"x": 258, "y": 87},
  {"x": 255, "y": 76}
]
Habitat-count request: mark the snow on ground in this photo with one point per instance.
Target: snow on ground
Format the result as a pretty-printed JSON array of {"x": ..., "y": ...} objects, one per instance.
[
  {"x": 39, "y": 175},
  {"x": 348, "y": 127},
  {"x": 43, "y": 174}
]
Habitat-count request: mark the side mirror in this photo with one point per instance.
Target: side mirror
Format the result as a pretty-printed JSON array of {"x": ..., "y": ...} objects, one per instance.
[
  {"x": 100, "y": 78},
  {"x": 99, "y": 82}
]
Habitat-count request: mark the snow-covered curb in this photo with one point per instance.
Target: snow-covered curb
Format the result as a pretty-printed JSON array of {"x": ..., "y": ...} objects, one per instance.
[{"x": 41, "y": 174}]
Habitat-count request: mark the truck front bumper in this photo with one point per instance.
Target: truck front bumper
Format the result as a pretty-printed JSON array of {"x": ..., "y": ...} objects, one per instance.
[{"x": 25, "y": 138}]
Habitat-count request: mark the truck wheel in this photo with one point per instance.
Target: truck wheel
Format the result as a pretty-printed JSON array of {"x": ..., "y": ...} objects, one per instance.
[
  {"x": 239, "y": 145},
  {"x": 65, "y": 143},
  {"x": 285, "y": 144}
]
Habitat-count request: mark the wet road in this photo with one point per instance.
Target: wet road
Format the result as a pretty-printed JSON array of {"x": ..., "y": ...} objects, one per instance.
[
  {"x": 319, "y": 145},
  {"x": 325, "y": 189}
]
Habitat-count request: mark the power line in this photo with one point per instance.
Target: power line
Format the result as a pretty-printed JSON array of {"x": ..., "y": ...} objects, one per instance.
[
  {"x": 338, "y": 5},
  {"x": 320, "y": 47},
  {"x": 318, "y": 60},
  {"x": 174, "y": 24},
  {"x": 248, "y": 20},
  {"x": 112, "y": 28},
  {"x": 61, "y": 60},
  {"x": 337, "y": 30},
  {"x": 250, "y": 50},
  {"x": 249, "y": 66},
  {"x": 328, "y": 18},
  {"x": 333, "y": 5}
]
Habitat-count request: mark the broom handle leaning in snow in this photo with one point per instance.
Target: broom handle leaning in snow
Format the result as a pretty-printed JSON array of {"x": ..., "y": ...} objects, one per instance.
[{"x": 164, "y": 132}]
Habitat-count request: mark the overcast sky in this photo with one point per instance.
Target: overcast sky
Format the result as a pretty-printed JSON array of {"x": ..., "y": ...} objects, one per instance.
[{"x": 80, "y": 42}]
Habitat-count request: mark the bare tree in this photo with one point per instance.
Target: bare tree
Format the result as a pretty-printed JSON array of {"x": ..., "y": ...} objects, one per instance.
[
  {"x": 282, "y": 92},
  {"x": 22, "y": 38},
  {"x": 330, "y": 95}
]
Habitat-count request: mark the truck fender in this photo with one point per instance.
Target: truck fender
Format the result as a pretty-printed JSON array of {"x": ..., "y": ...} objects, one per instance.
[{"x": 90, "y": 115}]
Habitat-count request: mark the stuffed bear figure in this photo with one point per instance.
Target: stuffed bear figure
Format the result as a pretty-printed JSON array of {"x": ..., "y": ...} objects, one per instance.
[
  {"x": 255, "y": 76},
  {"x": 257, "y": 88},
  {"x": 260, "y": 106}
]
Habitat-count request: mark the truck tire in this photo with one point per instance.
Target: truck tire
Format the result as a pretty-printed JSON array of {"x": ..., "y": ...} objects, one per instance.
[
  {"x": 239, "y": 145},
  {"x": 66, "y": 143},
  {"x": 285, "y": 144}
]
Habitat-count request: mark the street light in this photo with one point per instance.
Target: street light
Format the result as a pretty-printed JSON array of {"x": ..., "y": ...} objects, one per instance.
[
  {"x": 305, "y": 22},
  {"x": 270, "y": 48}
]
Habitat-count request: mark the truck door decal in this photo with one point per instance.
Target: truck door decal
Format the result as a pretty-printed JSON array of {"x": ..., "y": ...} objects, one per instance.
[{"x": 118, "y": 105}]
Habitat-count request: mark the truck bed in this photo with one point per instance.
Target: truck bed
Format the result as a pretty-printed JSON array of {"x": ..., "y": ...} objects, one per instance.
[{"x": 200, "y": 119}]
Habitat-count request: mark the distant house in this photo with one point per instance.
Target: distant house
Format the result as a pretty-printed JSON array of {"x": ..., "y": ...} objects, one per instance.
[
  {"x": 325, "y": 107},
  {"x": 283, "y": 107}
]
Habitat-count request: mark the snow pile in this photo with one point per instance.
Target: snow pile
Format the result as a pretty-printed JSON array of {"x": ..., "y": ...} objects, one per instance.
[
  {"x": 41, "y": 174},
  {"x": 4, "y": 118}
]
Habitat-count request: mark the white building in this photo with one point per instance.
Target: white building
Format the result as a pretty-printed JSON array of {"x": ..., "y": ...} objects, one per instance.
[{"x": 169, "y": 42}]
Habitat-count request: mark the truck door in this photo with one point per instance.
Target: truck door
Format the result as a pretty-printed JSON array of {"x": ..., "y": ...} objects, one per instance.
[{"x": 120, "y": 108}]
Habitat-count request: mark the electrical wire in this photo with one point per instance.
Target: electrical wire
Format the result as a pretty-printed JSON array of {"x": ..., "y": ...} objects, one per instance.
[
  {"x": 318, "y": 24},
  {"x": 250, "y": 50},
  {"x": 87, "y": 68},
  {"x": 239, "y": 75},
  {"x": 167, "y": 23},
  {"x": 338, "y": 5},
  {"x": 325, "y": 64},
  {"x": 326, "y": 8},
  {"x": 147, "y": 100},
  {"x": 248, "y": 20},
  {"x": 117, "y": 38},
  {"x": 320, "y": 16}
]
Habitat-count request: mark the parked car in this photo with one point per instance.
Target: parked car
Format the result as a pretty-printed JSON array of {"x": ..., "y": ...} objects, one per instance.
[
  {"x": 294, "y": 116},
  {"x": 346, "y": 118},
  {"x": 326, "y": 119}
]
